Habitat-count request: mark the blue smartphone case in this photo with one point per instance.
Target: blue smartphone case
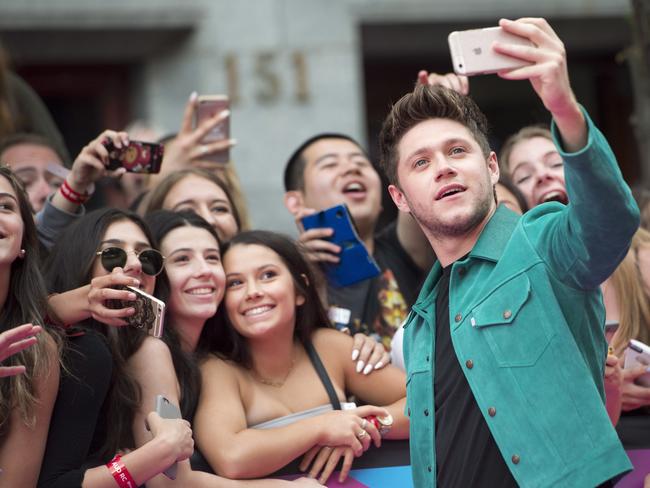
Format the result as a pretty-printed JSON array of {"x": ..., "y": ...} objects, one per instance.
[{"x": 356, "y": 263}]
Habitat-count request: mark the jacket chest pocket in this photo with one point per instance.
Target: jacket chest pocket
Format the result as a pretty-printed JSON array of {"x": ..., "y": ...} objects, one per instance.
[{"x": 514, "y": 326}]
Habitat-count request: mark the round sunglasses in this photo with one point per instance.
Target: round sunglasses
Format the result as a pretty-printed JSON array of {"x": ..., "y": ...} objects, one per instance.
[{"x": 151, "y": 260}]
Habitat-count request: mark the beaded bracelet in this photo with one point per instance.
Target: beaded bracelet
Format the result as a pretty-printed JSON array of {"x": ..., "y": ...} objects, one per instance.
[{"x": 120, "y": 474}]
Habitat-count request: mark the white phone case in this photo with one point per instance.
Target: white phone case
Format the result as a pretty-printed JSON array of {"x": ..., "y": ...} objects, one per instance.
[
  {"x": 472, "y": 53},
  {"x": 638, "y": 354}
]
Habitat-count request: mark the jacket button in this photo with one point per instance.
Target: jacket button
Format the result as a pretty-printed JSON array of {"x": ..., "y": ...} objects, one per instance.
[
  {"x": 492, "y": 411},
  {"x": 515, "y": 459},
  {"x": 507, "y": 314},
  {"x": 469, "y": 363},
  {"x": 409, "y": 411},
  {"x": 429, "y": 469},
  {"x": 426, "y": 412},
  {"x": 427, "y": 359},
  {"x": 458, "y": 317},
  {"x": 461, "y": 272}
]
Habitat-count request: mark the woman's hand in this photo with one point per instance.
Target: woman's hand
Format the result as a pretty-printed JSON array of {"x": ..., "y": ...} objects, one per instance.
[
  {"x": 13, "y": 341},
  {"x": 613, "y": 383},
  {"x": 350, "y": 428},
  {"x": 90, "y": 164},
  {"x": 187, "y": 150},
  {"x": 369, "y": 354},
  {"x": 634, "y": 396},
  {"x": 103, "y": 288},
  {"x": 176, "y": 433},
  {"x": 324, "y": 460}
]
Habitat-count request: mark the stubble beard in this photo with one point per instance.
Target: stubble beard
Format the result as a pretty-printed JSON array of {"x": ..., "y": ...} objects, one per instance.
[{"x": 440, "y": 229}]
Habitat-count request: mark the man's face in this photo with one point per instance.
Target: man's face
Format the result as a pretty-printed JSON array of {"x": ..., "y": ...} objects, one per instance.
[
  {"x": 30, "y": 163},
  {"x": 444, "y": 180},
  {"x": 337, "y": 171}
]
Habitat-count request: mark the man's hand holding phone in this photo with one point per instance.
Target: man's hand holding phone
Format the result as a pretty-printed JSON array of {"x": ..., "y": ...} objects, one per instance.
[
  {"x": 548, "y": 75},
  {"x": 314, "y": 241}
]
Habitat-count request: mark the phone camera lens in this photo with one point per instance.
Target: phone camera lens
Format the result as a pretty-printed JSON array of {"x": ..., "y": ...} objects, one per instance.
[{"x": 460, "y": 65}]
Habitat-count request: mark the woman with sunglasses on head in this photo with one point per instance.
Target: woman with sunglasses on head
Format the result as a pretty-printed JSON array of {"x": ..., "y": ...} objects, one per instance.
[
  {"x": 276, "y": 389},
  {"x": 94, "y": 412},
  {"x": 29, "y": 375}
]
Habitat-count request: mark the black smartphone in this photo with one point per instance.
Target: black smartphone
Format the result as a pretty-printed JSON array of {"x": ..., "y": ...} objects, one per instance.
[
  {"x": 356, "y": 264},
  {"x": 149, "y": 311},
  {"x": 137, "y": 157}
]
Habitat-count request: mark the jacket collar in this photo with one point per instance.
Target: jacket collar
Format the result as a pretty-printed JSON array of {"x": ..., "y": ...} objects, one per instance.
[
  {"x": 495, "y": 235},
  {"x": 489, "y": 246}
]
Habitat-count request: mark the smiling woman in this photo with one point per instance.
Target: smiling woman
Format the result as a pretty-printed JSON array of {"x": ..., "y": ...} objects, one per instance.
[
  {"x": 27, "y": 397},
  {"x": 535, "y": 166},
  {"x": 280, "y": 381},
  {"x": 98, "y": 396},
  {"x": 201, "y": 192}
]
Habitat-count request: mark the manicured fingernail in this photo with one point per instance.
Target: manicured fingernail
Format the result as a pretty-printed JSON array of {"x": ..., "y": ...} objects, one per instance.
[
  {"x": 233, "y": 142},
  {"x": 379, "y": 365},
  {"x": 360, "y": 365},
  {"x": 135, "y": 282},
  {"x": 355, "y": 354},
  {"x": 368, "y": 369},
  {"x": 131, "y": 296},
  {"x": 225, "y": 113},
  {"x": 193, "y": 96}
]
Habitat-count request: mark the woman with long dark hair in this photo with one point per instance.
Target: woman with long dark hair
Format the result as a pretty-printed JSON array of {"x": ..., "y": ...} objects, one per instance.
[
  {"x": 98, "y": 398},
  {"x": 275, "y": 390},
  {"x": 28, "y": 392}
]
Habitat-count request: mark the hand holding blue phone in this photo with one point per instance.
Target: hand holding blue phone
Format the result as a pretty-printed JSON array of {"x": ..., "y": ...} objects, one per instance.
[{"x": 356, "y": 264}]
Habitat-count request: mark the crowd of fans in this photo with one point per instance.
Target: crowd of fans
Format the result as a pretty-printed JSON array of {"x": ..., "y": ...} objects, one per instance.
[{"x": 267, "y": 362}]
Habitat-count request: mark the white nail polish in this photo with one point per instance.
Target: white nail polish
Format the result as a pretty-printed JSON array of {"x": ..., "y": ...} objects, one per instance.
[
  {"x": 368, "y": 369},
  {"x": 360, "y": 365},
  {"x": 379, "y": 365},
  {"x": 225, "y": 113},
  {"x": 355, "y": 354}
]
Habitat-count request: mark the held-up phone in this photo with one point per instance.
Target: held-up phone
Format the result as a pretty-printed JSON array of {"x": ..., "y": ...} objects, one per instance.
[
  {"x": 168, "y": 410},
  {"x": 208, "y": 107},
  {"x": 472, "y": 53},
  {"x": 137, "y": 157},
  {"x": 638, "y": 354},
  {"x": 355, "y": 264},
  {"x": 611, "y": 326},
  {"x": 149, "y": 311}
]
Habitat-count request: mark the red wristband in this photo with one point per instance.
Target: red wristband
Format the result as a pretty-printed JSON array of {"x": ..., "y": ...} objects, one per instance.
[
  {"x": 72, "y": 195},
  {"x": 120, "y": 474}
]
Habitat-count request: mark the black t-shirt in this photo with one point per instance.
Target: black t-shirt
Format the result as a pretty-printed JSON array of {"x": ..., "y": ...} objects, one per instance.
[
  {"x": 466, "y": 453},
  {"x": 379, "y": 305}
]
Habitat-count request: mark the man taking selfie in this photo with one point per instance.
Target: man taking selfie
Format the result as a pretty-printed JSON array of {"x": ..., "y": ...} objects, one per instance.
[{"x": 504, "y": 347}]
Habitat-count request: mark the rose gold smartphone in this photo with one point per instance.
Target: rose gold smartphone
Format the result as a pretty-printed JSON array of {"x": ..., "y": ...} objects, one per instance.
[
  {"x": 209, "y": 106},
  {"x": 472, "y": 53}
]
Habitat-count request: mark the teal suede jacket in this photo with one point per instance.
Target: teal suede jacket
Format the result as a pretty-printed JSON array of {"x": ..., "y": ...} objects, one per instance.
[{"x": 527, "y": 320}]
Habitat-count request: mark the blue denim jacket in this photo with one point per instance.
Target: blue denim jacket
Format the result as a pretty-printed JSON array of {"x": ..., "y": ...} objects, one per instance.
[{"x": 526, "y": 320}]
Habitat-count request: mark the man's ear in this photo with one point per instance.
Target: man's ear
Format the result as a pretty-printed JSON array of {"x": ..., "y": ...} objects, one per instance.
[
  {"x": 294, "y": 201},
  {"x": 493, "y": 167},
  {"x": 399, "y": 198}
]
